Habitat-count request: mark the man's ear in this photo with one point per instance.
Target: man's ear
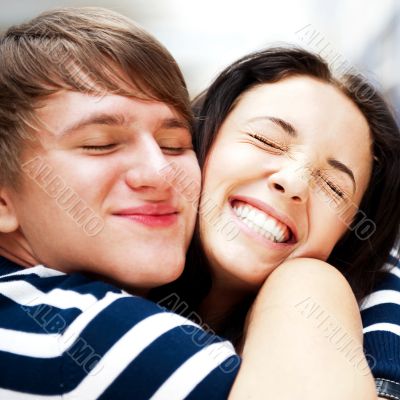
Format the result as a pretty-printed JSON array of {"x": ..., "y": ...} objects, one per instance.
[{"x": 8, "y": 217}]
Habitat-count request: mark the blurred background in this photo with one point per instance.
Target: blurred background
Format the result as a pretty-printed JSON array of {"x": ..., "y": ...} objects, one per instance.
[{"x": 361, "y": 36}]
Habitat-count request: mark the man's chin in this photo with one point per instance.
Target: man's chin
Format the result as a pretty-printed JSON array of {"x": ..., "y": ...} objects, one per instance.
[{"x": 149, "y": 276}]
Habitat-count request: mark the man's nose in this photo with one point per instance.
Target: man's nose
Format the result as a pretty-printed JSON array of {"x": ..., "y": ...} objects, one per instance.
[
  {"x": 145, "y": 170},
  {"x": 292, "y": 182}
]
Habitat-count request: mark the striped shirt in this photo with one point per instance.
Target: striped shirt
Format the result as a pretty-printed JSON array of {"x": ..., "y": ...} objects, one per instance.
[
  {"x": 381, "y": 321},
  {"x": 70, "y": 337}
]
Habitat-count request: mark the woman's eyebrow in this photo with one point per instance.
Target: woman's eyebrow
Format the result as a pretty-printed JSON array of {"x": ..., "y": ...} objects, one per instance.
[
  {"x": 285, "y": 125},
  {"x": 343, "y": 168}
]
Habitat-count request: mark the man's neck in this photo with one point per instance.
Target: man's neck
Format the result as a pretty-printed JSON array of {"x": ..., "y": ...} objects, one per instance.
[{"x": 15, "y": 248}]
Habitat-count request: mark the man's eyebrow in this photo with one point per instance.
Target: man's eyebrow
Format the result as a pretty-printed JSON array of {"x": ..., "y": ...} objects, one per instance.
[
  {"x": 285, "y": 125},
  {"x": 94, "y": 119},
  {"x": 117, "y": 120},
  {"x": 171, "y": 123},
  {"x": 342, "y": 167}
]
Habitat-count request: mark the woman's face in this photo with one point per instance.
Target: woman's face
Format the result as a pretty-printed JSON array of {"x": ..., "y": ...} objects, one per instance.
[{"x": 286, "y": 173}]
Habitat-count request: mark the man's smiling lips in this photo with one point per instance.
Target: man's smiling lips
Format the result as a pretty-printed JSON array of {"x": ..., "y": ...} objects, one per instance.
[
  {"x": 263, "y": 220},
  {"x": 151, "y": 215}
]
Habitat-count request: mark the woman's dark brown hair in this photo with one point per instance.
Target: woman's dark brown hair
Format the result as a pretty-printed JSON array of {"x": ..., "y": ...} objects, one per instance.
[{"x": 363, "y": 250}]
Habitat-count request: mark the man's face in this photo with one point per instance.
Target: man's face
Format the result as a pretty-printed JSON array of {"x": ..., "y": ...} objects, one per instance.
[{"x": 93, "y": 198}]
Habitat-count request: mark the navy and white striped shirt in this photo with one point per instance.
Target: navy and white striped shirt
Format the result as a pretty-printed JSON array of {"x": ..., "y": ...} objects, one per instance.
[
  {"x": 381, "y": 321},
  {"x": 67, "y": 336}
]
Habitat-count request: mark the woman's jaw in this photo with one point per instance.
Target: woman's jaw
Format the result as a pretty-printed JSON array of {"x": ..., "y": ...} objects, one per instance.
[{"x": 246, "y": 238}]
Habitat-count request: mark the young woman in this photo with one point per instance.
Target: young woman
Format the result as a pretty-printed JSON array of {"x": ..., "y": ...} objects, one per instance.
[{"x": 296, "y": 164}]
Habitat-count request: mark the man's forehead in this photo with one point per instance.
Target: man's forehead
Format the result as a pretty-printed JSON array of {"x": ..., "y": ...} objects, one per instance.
[{"x": 67, "y": 111}]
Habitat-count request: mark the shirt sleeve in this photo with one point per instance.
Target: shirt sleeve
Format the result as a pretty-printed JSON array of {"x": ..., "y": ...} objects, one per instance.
[
  {"x": 68, "y": 337},
  {"x": 380, "y": 313},
  {"x": 135, "y": 349}
]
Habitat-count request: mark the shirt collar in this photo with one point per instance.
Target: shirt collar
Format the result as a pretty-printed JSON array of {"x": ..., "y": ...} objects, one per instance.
[{"x": 8, "y": 267}]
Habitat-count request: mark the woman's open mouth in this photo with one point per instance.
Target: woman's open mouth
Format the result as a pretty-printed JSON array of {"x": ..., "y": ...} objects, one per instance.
[{"x": 262, "y": 222}]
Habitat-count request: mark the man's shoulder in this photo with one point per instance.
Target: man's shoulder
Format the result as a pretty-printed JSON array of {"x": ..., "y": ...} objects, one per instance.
[
  {"x": 388, "y": 289},
  {"x": 90, "y": 339},
  {"x": 42, "y": 291},
  {"x": 381, "y": 308},
  {"x": 380, "y": 312}
]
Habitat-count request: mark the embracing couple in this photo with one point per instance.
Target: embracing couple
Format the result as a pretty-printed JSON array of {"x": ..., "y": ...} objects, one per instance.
[{"x": 100, "y": 188}]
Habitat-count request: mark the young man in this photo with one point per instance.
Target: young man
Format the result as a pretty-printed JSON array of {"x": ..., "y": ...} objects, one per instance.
[{"x": 92, "y": 109}]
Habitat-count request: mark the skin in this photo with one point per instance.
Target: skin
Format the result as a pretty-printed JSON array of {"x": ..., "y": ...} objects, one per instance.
[
  {"x": 134, "y": 140},
  {"x": 314, "y": 350},
  {"x": 289, "y": 172}
]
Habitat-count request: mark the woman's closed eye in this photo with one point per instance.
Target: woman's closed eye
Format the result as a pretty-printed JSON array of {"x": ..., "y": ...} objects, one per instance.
[
  {"x": 278, "y": 148},
  {"x": 328, "y": 184},
  {"x": 335, "y": 189}
]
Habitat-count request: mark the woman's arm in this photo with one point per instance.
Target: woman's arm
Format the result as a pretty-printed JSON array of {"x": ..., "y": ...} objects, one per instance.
[{"x": 304, "y": 338}]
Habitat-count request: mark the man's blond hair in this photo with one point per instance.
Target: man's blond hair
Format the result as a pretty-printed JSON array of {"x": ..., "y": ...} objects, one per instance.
[{"x": 90, "y": 50}]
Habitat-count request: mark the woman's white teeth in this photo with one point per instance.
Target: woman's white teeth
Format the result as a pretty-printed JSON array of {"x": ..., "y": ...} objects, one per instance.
[{"x": 262, "y": 223}]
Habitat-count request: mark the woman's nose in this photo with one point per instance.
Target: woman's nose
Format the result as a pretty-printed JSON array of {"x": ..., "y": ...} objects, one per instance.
[{"x": 292, "y": 183}]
